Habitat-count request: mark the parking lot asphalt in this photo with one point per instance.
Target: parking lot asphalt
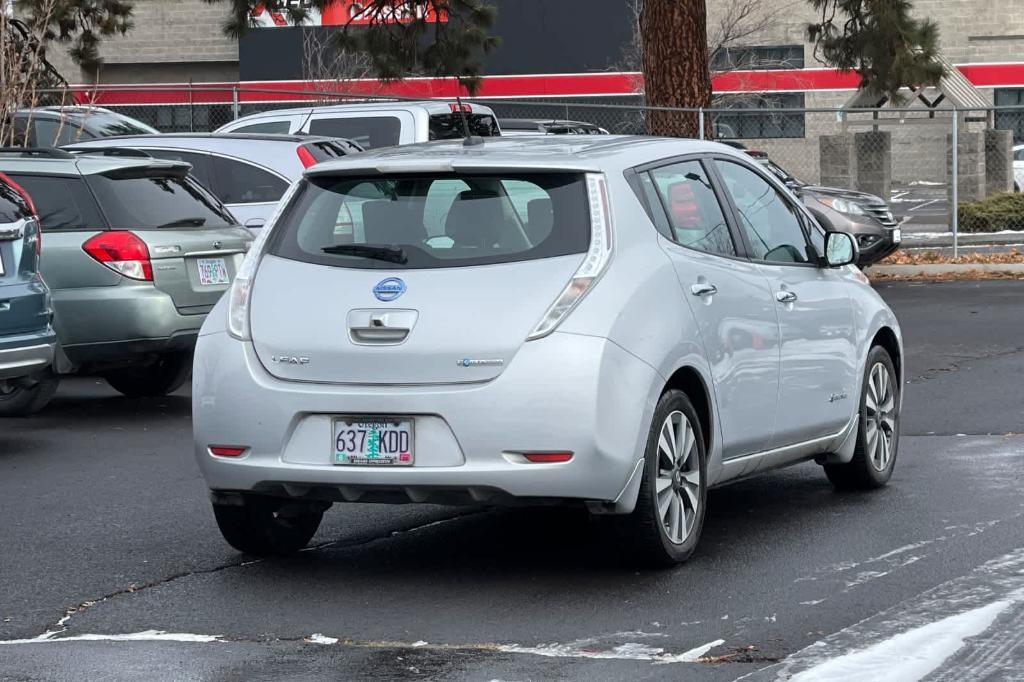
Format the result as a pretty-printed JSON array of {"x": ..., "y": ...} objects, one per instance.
[{"x": 107, "y": 536}]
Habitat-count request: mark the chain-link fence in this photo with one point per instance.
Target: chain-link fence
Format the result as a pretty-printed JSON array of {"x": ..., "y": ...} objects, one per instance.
[{"x": 920, "y": 161}]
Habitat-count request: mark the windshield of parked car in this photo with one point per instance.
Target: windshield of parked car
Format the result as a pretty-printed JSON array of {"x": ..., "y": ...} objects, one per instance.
[
  {"x": 108, "y": 125},
  {"x": 435, "y": 221},
  {"x": 134, "y": 200}
]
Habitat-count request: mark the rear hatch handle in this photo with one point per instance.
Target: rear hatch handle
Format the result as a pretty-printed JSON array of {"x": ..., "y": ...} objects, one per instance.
[{"x": 369, "y": 327}]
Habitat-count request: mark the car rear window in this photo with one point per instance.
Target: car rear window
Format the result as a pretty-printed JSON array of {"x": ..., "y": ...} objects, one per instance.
[
  {"x": 452, "y": 126},
  {"x": 434, "y": 221},
  {"x": 366, "y": 131},
  {"x": 142, "y": 199},
  {"x": 63, "y": 203},
  {"x": 12, "y": 206}
]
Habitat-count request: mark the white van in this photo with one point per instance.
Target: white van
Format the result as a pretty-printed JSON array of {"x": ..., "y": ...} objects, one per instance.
[{"x": 376, "y": 124}]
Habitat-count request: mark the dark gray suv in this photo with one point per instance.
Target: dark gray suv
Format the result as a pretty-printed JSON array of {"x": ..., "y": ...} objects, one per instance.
[{"x": 26, "y": 337}]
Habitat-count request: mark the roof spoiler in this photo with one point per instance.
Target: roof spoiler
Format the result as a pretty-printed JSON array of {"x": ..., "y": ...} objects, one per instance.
[
  {"x": 112, "y": 151},
  {"x": 37, "y": 152}
]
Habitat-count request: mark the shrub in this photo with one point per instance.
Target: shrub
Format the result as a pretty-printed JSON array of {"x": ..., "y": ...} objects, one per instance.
[{"x": 993, "y": 214}]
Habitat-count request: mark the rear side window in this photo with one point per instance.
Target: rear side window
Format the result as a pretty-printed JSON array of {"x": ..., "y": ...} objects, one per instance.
[
  {"x": 366, "y": 131},
  {"x": 695, "y": 216},
  {"x": 270, "y": 128},
  {"x": 63, "y": 203},
  {"x": 435, "y": 221},
  {"x": 452, "y": 126},
  {"x": 243, "y": 183},
  {"x": 143, "y": 200},
  {"x": 202, "y": 168}
]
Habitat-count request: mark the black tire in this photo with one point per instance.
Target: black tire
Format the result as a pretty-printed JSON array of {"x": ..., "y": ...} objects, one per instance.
[
  {"x": 164, "y": 376},
  {"x": 863, "y": 471},
  {"x": 263, "y": 526},
  {"x": 17, "y": 400},
  {"x": 643, "y": 531}
]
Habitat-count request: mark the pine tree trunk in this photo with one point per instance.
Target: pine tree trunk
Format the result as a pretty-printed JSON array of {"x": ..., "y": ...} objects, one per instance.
[{"x": 675, "y": 65}]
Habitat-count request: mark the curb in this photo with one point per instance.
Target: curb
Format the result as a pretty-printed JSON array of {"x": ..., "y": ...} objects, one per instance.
[
  {"x": 913, "y": 241},
  {"x": 944, "y": 269}
]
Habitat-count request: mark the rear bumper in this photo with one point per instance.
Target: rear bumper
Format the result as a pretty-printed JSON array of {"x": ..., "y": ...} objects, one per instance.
[
  {"x": 26, "y": 354},
  {"x": 565, "y": 392},
  {"x": 119, "y": 323}
]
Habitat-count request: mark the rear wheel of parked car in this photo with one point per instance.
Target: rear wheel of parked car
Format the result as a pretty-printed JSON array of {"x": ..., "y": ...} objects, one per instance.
[
  {"x": 267, "y": 525},
  {"x": 164, "y": 376},
  {"x": 878, "y": 433},
  {"x": 665, "y": 526},
  {"x": 21, "y": 398}
]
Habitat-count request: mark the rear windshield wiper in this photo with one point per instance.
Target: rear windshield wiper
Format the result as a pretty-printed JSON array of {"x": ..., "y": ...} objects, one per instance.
[
  {"x": 185, "y": 222},
  {"x": 391, "y": 254}
]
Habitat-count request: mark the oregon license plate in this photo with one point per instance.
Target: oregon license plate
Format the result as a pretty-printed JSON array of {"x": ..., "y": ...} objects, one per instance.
[
  {"x": 212, "y": 271},
  {"x": 373, "y": 441}
]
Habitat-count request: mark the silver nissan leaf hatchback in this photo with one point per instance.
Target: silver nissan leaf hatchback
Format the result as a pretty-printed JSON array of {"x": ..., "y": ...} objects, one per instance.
[{"x": 616, "y": 322}]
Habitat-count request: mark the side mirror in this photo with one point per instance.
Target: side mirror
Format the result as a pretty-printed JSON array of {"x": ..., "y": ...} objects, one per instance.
[
  {"x": 840, "y": 249},
  {"x": 255, "y": 223}
]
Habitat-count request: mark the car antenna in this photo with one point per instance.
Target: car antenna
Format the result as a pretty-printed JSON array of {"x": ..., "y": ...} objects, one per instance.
[{"x": 469, "y": 140}]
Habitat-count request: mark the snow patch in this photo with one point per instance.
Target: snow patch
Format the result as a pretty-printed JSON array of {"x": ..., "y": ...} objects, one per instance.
[
  {"x": 630, "y": 651},
  {"x": 144, "y": 636},
  {"x": 317, "y": 638},
  {"x": 909, "y": 655}
]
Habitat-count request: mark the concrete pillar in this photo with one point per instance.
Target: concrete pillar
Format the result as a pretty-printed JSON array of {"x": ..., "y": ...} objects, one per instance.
[
  {"x": 836, "y": 160},
  {"x": 998, "y": 161},
  {"x": 970, "y": 165},
  {"x": 873, "y": 153}
]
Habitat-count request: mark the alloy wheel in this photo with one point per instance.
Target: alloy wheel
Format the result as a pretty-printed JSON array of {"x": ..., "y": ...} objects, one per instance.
[
  {"x": 679, "y": 478},
  {"x": 880, "y": 419}
]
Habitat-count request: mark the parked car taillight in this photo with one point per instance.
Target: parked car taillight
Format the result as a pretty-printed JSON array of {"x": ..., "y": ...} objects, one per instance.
[
  {"x": 306, "y": 157},
  {"x": 31, "y": 207},
  {"x": 594, "y": 264},
  {"x": 123, "y": 252},
  {"x": 240, "y": 293}
]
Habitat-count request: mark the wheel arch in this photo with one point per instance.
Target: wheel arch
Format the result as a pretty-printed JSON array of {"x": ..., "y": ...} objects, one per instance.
[
  {"x": 688, "y": 380},
  {"x": 887, "y": 339}
]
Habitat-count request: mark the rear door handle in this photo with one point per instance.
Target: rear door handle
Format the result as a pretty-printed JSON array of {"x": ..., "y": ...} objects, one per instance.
[
  {"x": 5, "y": 306},
  {"x": 785, "y": 296},
  {"x": 703, "y": 289}
]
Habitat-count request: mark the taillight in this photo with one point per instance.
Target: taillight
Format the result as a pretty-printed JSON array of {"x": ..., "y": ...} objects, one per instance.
[
  {"x": 123, "y": 252},
  {"x": 31, "y": 207},
  {"x": 594, "y": 264},
  {"x": 306, "y": 157},
  {"x": 240, "y": 294},
  {"x": 461, "y": 108},
  {"x": 21, "y": 192}
]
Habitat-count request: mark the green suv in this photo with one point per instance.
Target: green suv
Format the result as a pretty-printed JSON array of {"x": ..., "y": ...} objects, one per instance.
[{"x": 135, "y": 252}]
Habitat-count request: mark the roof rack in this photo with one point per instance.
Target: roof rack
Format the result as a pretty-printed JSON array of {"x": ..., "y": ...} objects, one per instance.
[
  {"x": 112, "y": 151},
  {"x": 45, "y": 152}
]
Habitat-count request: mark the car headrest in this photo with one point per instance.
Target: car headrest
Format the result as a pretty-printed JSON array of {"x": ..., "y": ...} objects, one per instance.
[
  {"x": 391, "y": 222},
  {"x": 475, "y": 219},
  {"x": 540, "y": 218}
]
